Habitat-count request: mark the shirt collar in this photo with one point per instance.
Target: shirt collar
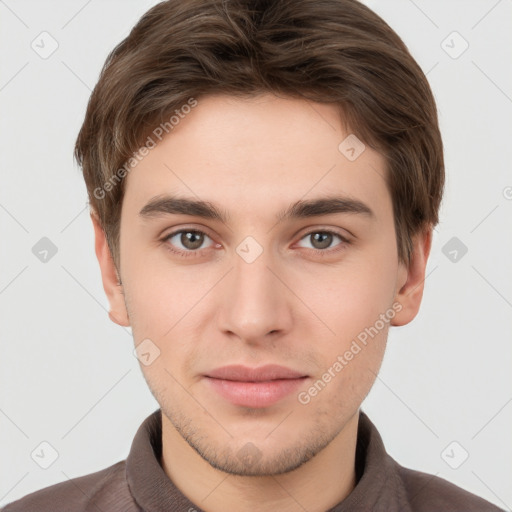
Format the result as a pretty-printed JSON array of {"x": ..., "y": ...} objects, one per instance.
[{"x": 379, "y": 486}]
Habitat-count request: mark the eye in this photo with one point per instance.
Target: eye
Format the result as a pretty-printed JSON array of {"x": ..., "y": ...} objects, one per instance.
[
  {"x": 186, "y": 241},
  {"x": 189, "y": 242},
  {"x": 321, "y": 240}
]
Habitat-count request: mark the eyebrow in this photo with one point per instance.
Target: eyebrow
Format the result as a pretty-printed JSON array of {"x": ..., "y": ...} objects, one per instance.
[{"x": 169, "y": 205}]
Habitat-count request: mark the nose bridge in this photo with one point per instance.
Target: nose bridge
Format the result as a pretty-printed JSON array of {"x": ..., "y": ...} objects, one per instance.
[{"x": 252, "y": 275}]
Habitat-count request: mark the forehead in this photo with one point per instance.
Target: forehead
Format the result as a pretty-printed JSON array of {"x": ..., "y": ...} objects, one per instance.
[{"x": 257, "y": 152}]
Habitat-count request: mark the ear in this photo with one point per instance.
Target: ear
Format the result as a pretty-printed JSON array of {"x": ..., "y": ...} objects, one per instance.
[
  {"x": 411, "y": 279},
  {"x": 109, "y": 275}
]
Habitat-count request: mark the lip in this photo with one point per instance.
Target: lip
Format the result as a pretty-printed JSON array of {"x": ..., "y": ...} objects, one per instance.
[{"x": 254, "y": 387}]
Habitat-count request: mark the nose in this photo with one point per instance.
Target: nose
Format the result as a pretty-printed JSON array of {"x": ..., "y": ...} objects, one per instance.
[{"x": 256, "y": 303}]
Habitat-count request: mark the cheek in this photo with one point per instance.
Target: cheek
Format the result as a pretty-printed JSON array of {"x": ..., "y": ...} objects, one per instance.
[
  {"x": 353, "y": 299},
  {"x": 357, "y": 307},
  {"x": 159, "y": 295},
  {"x": 166, "y": 305}
]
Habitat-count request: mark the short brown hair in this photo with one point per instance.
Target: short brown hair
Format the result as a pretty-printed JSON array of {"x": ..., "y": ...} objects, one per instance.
[{"x": 330, "y": 51}]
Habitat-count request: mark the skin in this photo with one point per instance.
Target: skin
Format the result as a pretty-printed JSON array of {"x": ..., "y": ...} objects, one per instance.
[{"x": 291, "y": 306}]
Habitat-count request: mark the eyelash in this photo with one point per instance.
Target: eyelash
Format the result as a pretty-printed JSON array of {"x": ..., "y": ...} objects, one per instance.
[{"x": 195, "y": 253}]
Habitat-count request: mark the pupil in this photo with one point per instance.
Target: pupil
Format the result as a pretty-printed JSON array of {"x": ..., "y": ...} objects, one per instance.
[
  {"x": 191, "y": 239},
  {"x": 324, "y": 240}
]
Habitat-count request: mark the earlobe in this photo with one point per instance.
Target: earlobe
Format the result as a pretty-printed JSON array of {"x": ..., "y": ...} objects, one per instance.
[
  {"x": 109, "y": 276},
  {"x": 411, "y": 278}
]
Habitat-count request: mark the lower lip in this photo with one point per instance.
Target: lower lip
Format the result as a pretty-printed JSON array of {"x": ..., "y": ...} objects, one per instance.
[{"x": 255, "y": 394}]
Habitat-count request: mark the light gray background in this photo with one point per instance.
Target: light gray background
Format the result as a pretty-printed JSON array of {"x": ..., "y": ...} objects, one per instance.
[{"x": 68, "y": 375}]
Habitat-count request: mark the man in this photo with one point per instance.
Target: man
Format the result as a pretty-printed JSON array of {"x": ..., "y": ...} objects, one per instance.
[{"x": 264, "y": 178}]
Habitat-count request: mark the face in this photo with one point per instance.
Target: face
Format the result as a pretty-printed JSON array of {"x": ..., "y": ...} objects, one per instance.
[{"x": 263, "y": 326}]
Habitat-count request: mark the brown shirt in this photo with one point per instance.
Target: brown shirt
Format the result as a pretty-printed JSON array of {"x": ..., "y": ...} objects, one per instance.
[{"x": 139, "y": 484}]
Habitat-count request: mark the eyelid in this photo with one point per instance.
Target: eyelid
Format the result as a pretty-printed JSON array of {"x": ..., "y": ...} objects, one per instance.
[
  {"x": 341, "y": 232},
  {"x": 307, "y": 231},
  {"x": 174, "y": 231}
]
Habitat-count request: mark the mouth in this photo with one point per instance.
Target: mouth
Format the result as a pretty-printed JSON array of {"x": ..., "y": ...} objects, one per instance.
[{"x": 254, "y": 387}]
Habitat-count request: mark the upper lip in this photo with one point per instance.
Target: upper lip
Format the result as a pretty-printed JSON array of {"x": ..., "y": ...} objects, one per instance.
[{"x": 246, "y": 374}]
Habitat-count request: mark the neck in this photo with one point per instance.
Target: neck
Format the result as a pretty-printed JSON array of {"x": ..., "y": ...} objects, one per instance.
[{"x": 316, "y": 486}]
